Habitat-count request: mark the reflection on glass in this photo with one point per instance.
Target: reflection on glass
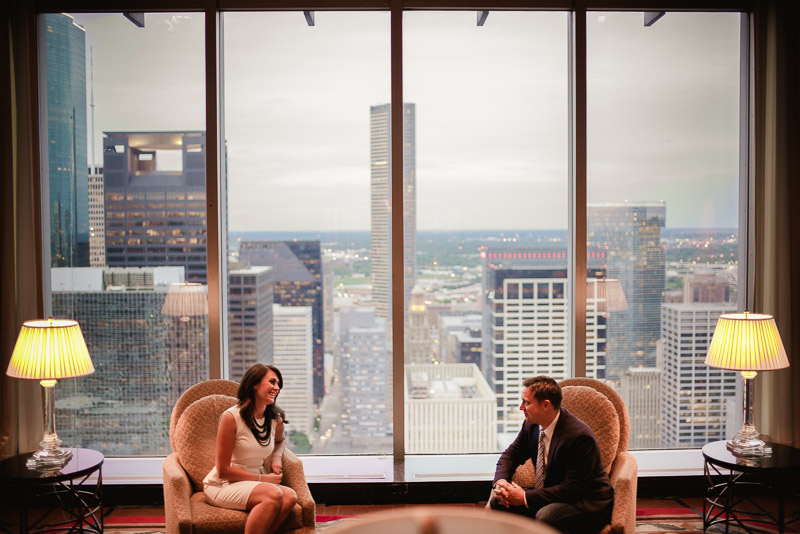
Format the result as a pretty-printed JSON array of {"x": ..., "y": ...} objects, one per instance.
[
  {"x": 121, "y": 230},
  {"x": 663, "y": 152}
]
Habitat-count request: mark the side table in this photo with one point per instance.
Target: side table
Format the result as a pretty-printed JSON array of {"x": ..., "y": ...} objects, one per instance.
[
  {"x": 69, "y": 501},
  {"x": 727, "y": 476}
]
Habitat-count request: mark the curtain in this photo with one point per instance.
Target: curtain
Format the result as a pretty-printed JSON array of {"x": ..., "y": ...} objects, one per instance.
[
  {"x": 20, "y": 237},
  {"x": 776, "y": 192}
]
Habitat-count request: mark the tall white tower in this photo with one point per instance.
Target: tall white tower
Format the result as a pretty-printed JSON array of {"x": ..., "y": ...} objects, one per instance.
[{"x": 381, "y": 206}]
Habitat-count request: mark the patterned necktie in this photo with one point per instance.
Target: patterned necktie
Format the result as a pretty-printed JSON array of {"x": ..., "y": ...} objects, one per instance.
[{"x": 540, "y": 467}]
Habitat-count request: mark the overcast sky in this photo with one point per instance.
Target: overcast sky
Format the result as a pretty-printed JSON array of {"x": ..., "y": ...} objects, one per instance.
[{"x": 491, "y": 104}]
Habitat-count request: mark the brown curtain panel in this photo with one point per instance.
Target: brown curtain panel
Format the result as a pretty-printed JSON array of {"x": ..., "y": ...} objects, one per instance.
[
  {"x": 20, "y": 236},
  {"x": 776, "y": 193}
]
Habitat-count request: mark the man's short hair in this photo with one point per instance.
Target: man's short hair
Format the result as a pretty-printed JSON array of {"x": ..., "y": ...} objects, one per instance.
[{"x": 544, "y": 388}]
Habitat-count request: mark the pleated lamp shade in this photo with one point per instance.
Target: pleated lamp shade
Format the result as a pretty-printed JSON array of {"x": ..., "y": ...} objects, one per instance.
[
  {"x": 185, "y": 300},
  {"x": 747, "y": 342},
  {"x": 610, "y": 296},
  {"x": 50, "y": 349}
]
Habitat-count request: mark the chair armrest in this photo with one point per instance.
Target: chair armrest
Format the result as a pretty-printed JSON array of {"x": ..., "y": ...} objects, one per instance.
[
  {"x": 177, "y": 492},
  {"x": 295, "y": 478},
  {"x": 624, "y": 472}
]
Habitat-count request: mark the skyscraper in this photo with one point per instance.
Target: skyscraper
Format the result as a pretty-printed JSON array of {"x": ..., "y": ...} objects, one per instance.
[
  {"x": 418, "y": 342},
  {"x": 97, "y": 222},
  {"x": 297, "y": 281},
  {"x": 698, "y": 402},
  {"x": 381, "y": 206},
  {"x": 155, "y": 200},
  {"x": 293, "y": 341},
  {"x": 250, "y": 325},
  {"x": 65, "y": 80},
  {"x": 629, "y": 234},
  {"x": 526, "y": 324},
  {"x": 640, "y": 389}
]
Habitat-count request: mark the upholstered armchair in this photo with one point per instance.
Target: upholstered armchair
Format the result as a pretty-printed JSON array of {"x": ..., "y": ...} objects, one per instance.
[
  {"x": 193, "y": 431},
  {"x": 599, "y": 406}
]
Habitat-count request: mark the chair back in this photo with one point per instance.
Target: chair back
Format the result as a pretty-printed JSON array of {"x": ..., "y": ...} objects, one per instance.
[
  {"x": 599, "y": 414},
  {"x": 198, "y": 391},
  {"x": 616, "y": 400},
  {"x": 195, "y": 436}
]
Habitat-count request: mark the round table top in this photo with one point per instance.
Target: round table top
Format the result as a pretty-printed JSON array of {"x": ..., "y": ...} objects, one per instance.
[
  {"x": 783, "y": 457},
  {"x": 83, "y": 462}
]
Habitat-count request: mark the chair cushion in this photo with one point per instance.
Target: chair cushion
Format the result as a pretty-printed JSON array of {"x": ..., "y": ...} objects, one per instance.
[
  {"x": 198, "y": 391},
  {"x": 594, "y": 409},
  {"x": 196, "y": 436},
  {"x": 525, "y": 475},
  {"x": 209, "y": 519}
]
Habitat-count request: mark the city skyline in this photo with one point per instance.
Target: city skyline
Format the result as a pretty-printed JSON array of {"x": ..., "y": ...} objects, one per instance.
[{"x": 331, "y": 166}]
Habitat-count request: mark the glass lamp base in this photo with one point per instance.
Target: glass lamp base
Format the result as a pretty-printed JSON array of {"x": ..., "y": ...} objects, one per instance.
[
  {"x": 49, "y": 459},
  {"x": 748, "y": 446}
]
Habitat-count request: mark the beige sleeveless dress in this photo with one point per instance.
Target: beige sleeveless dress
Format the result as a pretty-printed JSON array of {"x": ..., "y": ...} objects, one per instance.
[{"x": 248, "y": 454}]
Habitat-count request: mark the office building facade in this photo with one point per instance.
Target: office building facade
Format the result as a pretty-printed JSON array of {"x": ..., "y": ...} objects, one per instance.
[
  {"x": 67, "y": 169},
  {"x": 97, "y": 222},
  {"x": 156, "y": 216},
  {"x": 698, "y": 402},
  {"x": 250, "y": 323},
  {"x": 525, "y": 324},
  {"x": 629, "y": 234},
  {"x": 293, "y": 342},
  {"x": 449, "y": 409},
  {"x": 640, "y": 389}
]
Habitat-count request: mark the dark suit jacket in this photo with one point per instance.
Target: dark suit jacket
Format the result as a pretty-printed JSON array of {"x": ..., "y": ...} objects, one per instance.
[{"x": 575, "y": 473}]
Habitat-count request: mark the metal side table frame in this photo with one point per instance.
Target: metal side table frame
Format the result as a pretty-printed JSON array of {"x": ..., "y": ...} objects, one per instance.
[
  {"x": 72, "y": 504},
  {"x": 726, "y": 475}
]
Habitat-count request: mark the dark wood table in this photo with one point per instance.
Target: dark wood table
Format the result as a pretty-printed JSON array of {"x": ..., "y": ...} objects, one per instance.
[
  {"x": 65, "y": 499},
  {"x": 734, "y": 485}
]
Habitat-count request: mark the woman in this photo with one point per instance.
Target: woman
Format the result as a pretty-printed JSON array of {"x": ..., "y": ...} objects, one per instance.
[{"x": 248, "y": 433}]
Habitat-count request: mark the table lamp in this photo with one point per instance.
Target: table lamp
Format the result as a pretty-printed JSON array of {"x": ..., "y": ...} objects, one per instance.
[
  {"x": 610, "y": 296},
  {"x": 185, "y": 300},
  {"x": 49, "y": 350},
  {"x": 747, "y": 342}
]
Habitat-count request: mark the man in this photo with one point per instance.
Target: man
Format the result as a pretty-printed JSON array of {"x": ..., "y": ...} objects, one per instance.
[{"x": 572, "y": 492}]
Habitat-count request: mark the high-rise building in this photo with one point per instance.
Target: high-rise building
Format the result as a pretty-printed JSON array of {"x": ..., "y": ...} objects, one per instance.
[
  {"x": 97, "y": 222},
  {"x": 418, "y": 341},
  {"x": 155, "y": 200},
  {"x": 640, "y": 389},
  {"x": 629, "y": 234},
  {"x": 297, "y": 281},
  {"x": 67, "y": 178},
  {"x": 381, "y": 206},
  {"x": 454, "y": 331},
  {"x": 698, "y": 402},
  {"x": 706, "y": 286},
  {"x": 449, "y": 409},
  {"x": 365, "y": 376},
  {"x": 293, "y": 342},
  {"x": 526, "y": 324},
  {"x": 250, "y": 324},
  {"x": 143, "y": 360}
]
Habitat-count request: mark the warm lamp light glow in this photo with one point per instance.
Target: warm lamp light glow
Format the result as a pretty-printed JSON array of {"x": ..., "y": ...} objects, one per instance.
[
  {"x": 48, "y": 351},
  {"x": 749, "y": 343},
  {"x": 610, "y": 296},
  {"x": 185, "y": 300}
]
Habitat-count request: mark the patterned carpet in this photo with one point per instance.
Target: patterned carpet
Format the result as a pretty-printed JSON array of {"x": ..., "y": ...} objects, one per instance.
[{"x": 649, "y": 521}]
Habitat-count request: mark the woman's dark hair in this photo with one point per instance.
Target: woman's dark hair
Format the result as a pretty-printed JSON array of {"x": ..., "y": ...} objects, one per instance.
[{"x": 247, "y": 402}]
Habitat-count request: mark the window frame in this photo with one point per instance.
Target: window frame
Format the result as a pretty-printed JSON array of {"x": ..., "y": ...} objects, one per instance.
[{"x": 216, "y": 180}]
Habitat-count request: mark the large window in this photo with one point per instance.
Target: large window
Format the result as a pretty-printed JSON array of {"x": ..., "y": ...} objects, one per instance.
[
  {"x": 485, "y": 181},
  {"x": 663, "y": 215},
  {"x": 125, "y": 190},
  {"x": 307, "y": 209},
  {"x": 307, "y": 140}
]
